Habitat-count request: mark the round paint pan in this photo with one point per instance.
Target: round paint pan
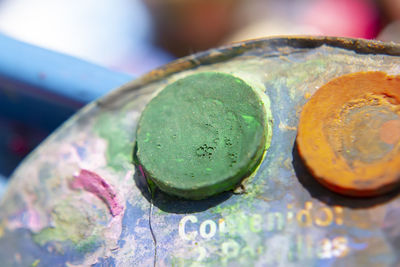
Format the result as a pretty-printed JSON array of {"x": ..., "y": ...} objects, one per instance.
[
  {"x": 201, "y": 135},
  {"x": 349, "y": 134}
]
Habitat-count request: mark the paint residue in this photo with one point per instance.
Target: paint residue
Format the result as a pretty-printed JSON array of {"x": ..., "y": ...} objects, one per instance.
[
  {"x": 72, "y": 221},
  {"x": 390, "y": 132},
  {"x": 36, "y": 263},
  {"x": 93, "y": 183},
  {"x": 120, "y": 145}
]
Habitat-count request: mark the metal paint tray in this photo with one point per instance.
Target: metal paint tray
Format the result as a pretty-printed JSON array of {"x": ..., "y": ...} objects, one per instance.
[{"x": 282, "y": 216}]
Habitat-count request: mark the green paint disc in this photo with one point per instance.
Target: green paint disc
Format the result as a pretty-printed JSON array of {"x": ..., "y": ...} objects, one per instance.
[{"x": 202, "y": 135}]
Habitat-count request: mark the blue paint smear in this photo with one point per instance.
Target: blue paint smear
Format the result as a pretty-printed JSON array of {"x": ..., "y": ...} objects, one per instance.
[
  {"x": 131, "y": 216},
  {"x": 81, "y": 151},
  {"x": 143, "y": 246},
  {"x": 20, "y": 242},
  {"x": 106, "y": 262}
]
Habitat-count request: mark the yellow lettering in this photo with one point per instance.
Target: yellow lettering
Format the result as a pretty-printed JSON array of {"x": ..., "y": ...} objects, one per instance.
[
  {"x": 340, "y": 247},
  {"x": 230, "y": 250},
  {"x": 275, "y": 221},
  {"x": 339, "y": 215},
  {"x": 328, "y": 217},
  {"x": 304, "y": 215},
  {"x": 255, "y": 223}
]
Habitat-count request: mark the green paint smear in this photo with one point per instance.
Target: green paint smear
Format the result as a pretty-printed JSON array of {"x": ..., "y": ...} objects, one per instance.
[
  {"x": 70, "y": 225},
  {"x": 120, "y": 146},
  {"x": 35, "y": 263}
]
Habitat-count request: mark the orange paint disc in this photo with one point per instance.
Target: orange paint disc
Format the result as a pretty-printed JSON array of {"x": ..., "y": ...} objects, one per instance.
[{"x": 349, "y": 134}]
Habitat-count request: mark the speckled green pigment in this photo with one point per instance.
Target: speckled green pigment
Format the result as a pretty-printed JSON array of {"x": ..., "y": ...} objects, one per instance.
[
  {"x": 119, "y": 144},
  {"x": 201, "y": 135},
  {"x": 70, "y": 224}
]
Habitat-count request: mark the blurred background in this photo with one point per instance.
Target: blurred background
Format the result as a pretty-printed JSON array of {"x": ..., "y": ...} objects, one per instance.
[{"x": 58, "y": 55}]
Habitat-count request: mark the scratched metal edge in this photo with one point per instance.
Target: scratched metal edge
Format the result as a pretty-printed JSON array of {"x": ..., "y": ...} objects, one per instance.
[{"x": 226, "y": 52}]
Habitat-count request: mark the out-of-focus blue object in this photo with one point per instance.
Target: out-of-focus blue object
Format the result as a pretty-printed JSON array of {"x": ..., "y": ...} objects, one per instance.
[
  {"x": 3, "y": 184},
  {"x": 40, "y": 89},
  {"x": 38, "y": 86}
]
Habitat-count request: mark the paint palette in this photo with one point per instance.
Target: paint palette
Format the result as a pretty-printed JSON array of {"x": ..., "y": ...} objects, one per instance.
[{"x": 79, "y": 199}]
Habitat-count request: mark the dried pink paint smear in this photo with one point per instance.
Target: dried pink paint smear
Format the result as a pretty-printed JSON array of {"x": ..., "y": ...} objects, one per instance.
[{"x": 93, "y": 183}]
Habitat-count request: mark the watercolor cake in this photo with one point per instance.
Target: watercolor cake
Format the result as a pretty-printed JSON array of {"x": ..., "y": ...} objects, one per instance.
[
  {"x": 349, "y": 134},
  {"x": 202, "y": 135}
]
